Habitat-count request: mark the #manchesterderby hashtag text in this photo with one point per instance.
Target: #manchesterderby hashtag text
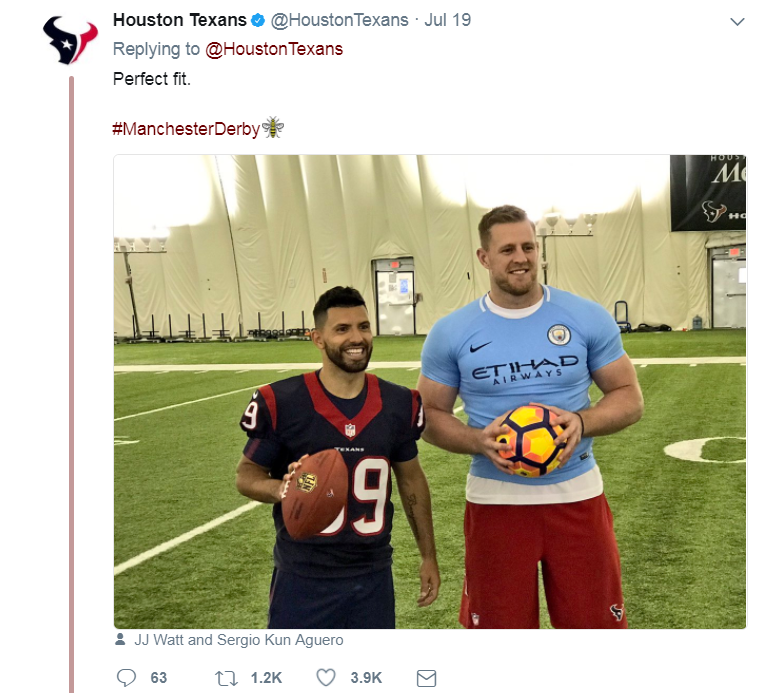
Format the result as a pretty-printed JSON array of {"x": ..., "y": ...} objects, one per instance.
[{"x": 166, "y": 129}]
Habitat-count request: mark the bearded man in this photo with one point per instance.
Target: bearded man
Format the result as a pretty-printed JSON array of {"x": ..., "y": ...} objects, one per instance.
[
  {"x": 340, "y": 578},
  {"x": 525, "y": 343}
]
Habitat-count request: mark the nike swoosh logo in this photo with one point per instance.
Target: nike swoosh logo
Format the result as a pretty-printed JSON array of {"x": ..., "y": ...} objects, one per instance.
[{"x": 472, "y": 348}]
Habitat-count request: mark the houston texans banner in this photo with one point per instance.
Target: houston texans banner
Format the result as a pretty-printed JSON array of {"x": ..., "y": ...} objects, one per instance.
[{"x": 708, "y": 192}]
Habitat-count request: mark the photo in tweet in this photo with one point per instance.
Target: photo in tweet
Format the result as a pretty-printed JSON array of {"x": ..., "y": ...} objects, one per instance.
[{"x": 480, "y": 330}]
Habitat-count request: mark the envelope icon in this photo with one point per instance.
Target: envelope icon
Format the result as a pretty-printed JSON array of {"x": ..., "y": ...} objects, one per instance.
[{"x": 426, "y": 678}]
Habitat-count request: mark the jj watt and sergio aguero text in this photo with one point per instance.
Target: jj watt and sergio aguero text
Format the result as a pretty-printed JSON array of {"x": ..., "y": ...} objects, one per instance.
[{"x": 237, "y": 640}]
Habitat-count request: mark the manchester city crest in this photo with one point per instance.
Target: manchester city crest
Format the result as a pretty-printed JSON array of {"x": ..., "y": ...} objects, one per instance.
[{"x": 559, "y": 335}]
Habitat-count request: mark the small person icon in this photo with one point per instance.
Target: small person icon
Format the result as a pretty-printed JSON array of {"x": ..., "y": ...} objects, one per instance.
[{"x": 119, "y": 641}]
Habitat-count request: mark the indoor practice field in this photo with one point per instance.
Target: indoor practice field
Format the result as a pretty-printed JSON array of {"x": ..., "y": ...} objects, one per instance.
[{"x": 184, "y": 558}]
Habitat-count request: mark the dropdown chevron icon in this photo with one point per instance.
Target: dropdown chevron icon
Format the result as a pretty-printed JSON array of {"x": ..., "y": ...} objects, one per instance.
[{"x": 739, "y": 22}]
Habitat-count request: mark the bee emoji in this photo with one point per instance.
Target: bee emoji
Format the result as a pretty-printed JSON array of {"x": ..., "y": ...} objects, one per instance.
[{"x": 273, "y": 127}]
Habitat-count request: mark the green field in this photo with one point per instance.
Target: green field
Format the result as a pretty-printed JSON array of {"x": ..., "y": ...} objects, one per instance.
[{"x": 680, "y": 524}]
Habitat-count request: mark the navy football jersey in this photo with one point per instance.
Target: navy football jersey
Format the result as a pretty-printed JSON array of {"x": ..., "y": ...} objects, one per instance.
[{"x": 297, "y": 416}]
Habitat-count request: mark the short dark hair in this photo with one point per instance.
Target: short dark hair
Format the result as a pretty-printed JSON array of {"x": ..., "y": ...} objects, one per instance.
[
  {"x": 337, "y": 297},
  {"x": 505, "y": 214}
]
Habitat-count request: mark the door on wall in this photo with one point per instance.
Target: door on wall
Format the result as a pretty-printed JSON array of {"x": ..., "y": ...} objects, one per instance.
[
  {"x": 395, "y": 292},
  {"x": 729, "y": 287}
]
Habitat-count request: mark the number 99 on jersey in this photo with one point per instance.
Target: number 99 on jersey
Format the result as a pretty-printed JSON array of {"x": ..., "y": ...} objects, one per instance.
[{"x": 366, "y": 677}]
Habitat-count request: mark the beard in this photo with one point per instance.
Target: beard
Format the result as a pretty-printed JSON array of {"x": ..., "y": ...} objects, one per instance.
[
  {"x": 521, "y": 288},
  {"x": 345, "y": 362}
]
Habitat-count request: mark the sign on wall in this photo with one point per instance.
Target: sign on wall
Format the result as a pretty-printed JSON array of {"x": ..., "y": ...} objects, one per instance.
[{"x": 708, "y": 192}]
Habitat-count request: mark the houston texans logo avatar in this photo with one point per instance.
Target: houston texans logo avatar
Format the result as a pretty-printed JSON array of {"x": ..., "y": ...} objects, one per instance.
[{"x": 70, "y": 46}]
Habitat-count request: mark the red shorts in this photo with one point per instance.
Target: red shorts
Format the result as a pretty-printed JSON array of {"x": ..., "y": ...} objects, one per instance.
[{"x": 579, "y": 559}]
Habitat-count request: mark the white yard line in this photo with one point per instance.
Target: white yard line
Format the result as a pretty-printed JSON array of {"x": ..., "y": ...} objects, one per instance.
[
  {"x": 182, "y": 404},
  {"x": 409, "y": 365},
  {"x": 688, "y": 360},
  {"x": 252, "y": 367},
  {"x": 208, "y": 367},
  {"x": 283, "y": 367},
  {"x": 182, "y": 538}
]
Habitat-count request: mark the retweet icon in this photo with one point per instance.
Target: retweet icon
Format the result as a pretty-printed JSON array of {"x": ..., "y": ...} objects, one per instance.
[{"x": 70, "y": 46}]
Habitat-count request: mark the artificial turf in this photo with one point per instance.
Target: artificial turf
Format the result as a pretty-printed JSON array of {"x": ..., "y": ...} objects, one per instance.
[{"x": 680, "y": 524}]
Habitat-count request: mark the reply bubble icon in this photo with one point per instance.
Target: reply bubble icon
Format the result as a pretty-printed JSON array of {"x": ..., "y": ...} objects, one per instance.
[{"x": 127, "y": 677}]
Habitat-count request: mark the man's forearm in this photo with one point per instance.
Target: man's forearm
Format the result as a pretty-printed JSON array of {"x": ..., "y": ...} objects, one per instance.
[
  {"x": 416, "y": 499},
  {"x": 614, "y": 412},
  {"x": 255, "y": 483},
  {"x": 267, "y": 491},
  {"x": 446, "y": 431}
]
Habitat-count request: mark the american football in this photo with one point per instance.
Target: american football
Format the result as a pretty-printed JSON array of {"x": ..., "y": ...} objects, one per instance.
[
  {"x": 532, "y": 439},
  {"x": 315, "y": 495}
]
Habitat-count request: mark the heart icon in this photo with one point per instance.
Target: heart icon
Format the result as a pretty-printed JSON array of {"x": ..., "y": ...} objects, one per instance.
[{"x": 325, "y": 676}]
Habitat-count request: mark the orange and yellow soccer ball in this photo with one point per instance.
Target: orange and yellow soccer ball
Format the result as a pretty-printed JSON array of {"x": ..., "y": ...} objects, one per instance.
[{"x": 532, "y": 439}]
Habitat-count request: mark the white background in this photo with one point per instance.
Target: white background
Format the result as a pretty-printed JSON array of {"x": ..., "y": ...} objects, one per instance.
[{"x": 557, "y": 77}]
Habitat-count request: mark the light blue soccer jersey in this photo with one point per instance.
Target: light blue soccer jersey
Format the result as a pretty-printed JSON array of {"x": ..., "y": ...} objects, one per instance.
[{"x": 500, "y": 363}]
